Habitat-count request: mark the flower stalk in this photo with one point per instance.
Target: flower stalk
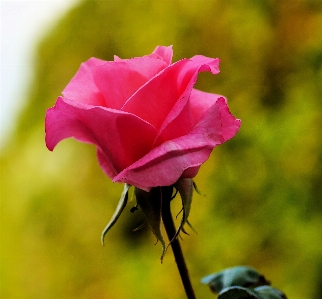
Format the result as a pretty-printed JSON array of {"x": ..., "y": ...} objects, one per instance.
[{"x": 175, "y": 244}]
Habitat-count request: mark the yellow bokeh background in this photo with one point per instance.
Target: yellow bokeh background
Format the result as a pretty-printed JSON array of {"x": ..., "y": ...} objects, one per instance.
[{"x": 262, "y": 190}]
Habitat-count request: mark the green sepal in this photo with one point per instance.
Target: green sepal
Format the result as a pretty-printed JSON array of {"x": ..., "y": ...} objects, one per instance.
[
  {"x": 185, "y": 188},
  {"x": 140, "y": 226},
  {"x": 242, "y": 276},
  {"x": 191, "y": 226},
  {"x": 119, "y": 209},
  {"x": 151, "y": 206},
  {"x": 197, "y": 189}
]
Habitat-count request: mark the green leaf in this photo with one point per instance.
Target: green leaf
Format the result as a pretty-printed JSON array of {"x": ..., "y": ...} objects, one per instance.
[
  {"x": 268, "y": 292},
  {"x": 238, "y": 293},
  {"x": 242, "y": 276},
  {"x": 262, "y": 292},
  {"x": 185, "y": 188},
  {"x": 119, "y": 209},
  {"x": 150, "y": 204}
]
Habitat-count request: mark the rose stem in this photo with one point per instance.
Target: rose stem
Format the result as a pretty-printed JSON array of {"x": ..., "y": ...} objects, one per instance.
[{"x": 176, "y": 248}]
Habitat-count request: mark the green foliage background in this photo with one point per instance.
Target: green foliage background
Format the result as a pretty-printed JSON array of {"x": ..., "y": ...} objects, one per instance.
[{"x": 262, "y": 204}]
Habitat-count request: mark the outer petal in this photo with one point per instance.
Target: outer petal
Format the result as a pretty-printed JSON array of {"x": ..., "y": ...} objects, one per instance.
[
  {"x": 117, "y": 81},
  {"x": 165, "y": 164},
  {"x": 200, "y": 63},
  {"x": 121, "y": 138},
  {"x": 82, "y": 87},
  {"x": 200, "y": 102}
]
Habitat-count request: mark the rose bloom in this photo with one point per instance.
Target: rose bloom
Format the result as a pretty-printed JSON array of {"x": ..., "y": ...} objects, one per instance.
[{"x": 148, "y": 123}]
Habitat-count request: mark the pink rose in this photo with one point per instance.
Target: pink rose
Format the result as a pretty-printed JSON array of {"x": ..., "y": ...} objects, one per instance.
[{"x": 150, "y": 126}]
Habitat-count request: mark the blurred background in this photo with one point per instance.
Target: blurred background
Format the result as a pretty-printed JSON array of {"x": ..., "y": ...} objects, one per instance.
[{"x": 262, "y": 190}]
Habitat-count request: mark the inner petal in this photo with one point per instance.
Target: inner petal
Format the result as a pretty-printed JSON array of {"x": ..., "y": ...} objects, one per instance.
[
  {"x": 118, "y": 81},
  {"x": 155, "y": 100}
]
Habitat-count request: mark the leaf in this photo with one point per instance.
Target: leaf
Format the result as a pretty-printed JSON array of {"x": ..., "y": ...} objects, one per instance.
[
  {"x": 268, "y": 292},
  {"x": 237, "y": 293},
  {"x": 150, "y": 204},
  {"x": 185, "y": 188},
  {"x": 119, "y": 209},
  {"x": 262, "y": 292},
  {"x": 242, "y": 276}
]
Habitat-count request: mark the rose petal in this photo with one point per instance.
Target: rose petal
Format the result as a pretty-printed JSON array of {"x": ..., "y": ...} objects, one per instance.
[
  {"x": 156, "y": 98},
  {"x": 164, "y": 165},
  {"x": 164, "y": 53},
  {"x": 183, "y": 115},
  {"x": 200, "y": 63},
  {"x": 230, "y": 125},
  {"x": 121, "y": 138},
  {"x": 82, "y": 87},
  {"x": 160, "y": 52},
  {"x": 178, "y": 122},
  {"x": 200, "y": 102},
  {"x": 118, "y": 81}
]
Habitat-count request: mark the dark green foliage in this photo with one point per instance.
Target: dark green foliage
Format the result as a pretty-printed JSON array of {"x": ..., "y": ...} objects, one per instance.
[
  {"x": 238, "y": 293},
  {"x": 242, "y": 276},
  {"x": 244, "y": 293},
  {"x": 241, "y": 282}
]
